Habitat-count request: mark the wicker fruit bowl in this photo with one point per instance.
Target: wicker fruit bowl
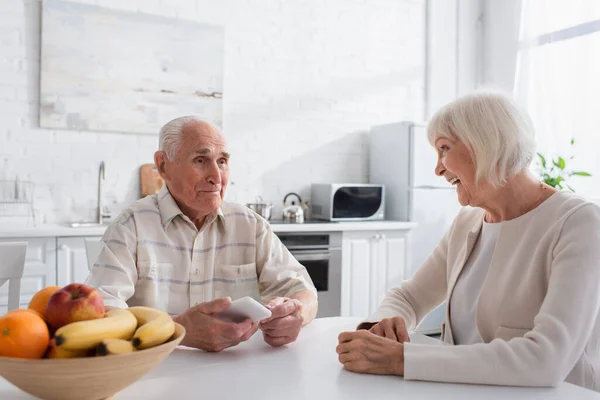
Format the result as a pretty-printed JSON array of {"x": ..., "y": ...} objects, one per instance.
[{"x": 88, "y": 378}]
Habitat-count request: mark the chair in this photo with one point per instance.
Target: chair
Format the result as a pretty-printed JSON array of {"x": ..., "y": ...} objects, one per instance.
[
  {"x": 12, "y": 264},
  {"x": 92, "y": 250}
]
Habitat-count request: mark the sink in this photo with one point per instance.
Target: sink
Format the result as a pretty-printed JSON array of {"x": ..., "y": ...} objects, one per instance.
[{"x": 86, "y": 225}]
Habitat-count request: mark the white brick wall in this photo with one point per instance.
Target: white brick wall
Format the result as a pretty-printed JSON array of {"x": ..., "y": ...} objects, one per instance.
[{"x": 303, "y": 82}]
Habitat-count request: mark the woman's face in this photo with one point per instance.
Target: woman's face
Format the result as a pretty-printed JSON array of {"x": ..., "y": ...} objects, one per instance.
[{"x": 456, "y": 165}]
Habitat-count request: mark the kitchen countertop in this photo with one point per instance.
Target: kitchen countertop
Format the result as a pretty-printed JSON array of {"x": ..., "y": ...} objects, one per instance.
[
  {"x": 49, "y": 230},
  {"x": 324, "y": 226},
  {"x": 55, "y": 230},
  {"x": 306, "y": 369}
]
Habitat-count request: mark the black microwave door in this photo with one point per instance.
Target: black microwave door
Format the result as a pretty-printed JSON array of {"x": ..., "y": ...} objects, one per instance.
[{"x": 356, "y": 201}]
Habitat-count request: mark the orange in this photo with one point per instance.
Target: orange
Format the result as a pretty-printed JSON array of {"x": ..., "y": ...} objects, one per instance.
[
  {"x": 39, "y": 301},
  {"x": 27, "y": 310},
  {"x": 23, "y": 334}
]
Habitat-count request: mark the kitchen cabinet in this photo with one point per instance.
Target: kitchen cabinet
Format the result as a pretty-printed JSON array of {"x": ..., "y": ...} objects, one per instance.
[
  {"x": 71, "y": 260},
  {"x": 372, "y": 263},
  {"x": 49, "y": 261},
  {"x": 39, "y": 272}
]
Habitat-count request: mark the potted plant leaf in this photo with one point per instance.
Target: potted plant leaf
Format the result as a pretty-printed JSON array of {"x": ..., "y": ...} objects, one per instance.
[{"x": 555, "y": 172}]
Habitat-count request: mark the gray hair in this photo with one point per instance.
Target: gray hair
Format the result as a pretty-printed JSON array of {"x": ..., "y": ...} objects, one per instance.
[
  {"x": 170, "y": 134},
  {"x": 497, "y": 132}
]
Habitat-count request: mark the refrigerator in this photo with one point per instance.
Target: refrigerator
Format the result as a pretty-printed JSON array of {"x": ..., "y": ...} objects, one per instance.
[{"x": 402, "y": 159}]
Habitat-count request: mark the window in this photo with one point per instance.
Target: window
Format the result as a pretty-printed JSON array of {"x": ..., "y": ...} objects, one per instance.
[{"x": 558, "y": 80}]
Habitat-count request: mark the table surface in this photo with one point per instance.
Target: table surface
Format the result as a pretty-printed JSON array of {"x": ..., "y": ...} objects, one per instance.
[{"x": 306, "y": 369}]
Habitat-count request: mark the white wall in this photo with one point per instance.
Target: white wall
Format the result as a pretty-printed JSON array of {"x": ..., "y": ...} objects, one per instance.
[
  {"x": 500, "y": 42},
  {"x": 303, "y": 82},
  {"x": 454, "y": 50}
]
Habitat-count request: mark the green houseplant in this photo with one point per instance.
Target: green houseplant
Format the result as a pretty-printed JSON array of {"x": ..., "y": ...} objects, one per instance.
[{"x": 555, "y": 173}]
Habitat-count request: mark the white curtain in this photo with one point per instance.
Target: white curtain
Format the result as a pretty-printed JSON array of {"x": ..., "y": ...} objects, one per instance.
[{"x": 558, "y": 80}]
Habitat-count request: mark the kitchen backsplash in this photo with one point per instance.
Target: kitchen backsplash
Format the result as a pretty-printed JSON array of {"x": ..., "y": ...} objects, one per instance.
[{"x": 303, "y": 82}]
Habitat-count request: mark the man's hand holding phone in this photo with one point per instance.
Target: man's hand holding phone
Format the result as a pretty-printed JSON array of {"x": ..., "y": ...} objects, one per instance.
[{"x": 207, "y": 330}]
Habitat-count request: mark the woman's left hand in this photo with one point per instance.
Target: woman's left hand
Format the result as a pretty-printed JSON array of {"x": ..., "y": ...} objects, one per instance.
[{"x": 365, "y": 352}]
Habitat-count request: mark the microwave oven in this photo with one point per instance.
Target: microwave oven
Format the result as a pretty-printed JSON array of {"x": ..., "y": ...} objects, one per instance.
[{"x": 347, "y": 202}]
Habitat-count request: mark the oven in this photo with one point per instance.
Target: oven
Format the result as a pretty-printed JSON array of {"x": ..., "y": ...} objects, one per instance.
[{"x": 321, "y": 254}]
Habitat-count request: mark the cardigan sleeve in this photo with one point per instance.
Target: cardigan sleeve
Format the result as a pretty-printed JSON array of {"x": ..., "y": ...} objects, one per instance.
[
  {"x": 414, "y": 298},
  {"x": 545, "y": 355}
]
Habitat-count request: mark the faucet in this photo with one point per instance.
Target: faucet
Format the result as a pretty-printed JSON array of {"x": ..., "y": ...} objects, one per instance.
[{"x": 101, "y": 177}]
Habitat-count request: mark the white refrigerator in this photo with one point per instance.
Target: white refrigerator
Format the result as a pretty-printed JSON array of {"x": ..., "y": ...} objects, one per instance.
[{"x": 402, "y": 159}]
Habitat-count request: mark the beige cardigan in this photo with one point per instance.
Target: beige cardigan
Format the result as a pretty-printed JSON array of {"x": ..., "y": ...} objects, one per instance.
[{"x": 538, "y": 309}]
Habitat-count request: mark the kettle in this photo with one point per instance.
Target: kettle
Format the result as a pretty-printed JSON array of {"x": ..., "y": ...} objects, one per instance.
[{"x": 293, "y": 212}]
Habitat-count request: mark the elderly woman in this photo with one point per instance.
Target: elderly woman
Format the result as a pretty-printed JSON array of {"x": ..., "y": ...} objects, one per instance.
[{"x": 519, "y": 268}]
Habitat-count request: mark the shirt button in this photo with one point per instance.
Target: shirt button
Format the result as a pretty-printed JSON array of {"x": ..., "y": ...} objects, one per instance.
[
  {"x": 197, "y": 272},
  {"x": 196, "y": 303}
]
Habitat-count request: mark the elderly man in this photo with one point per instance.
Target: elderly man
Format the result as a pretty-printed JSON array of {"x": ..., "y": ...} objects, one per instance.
[{"x": 188, "y": 253}]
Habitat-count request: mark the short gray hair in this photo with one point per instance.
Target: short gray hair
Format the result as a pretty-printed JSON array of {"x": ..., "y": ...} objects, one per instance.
[
  {"x": 497, "y": 132},
  {"x": 170, "y": 134}
]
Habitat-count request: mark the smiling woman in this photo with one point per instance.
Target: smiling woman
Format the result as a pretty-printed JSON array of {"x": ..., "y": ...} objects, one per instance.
[
  {"x": 498, "y": 135},
  {"x": 483, "y": 141},
  {"x": 518, "y": 268}
]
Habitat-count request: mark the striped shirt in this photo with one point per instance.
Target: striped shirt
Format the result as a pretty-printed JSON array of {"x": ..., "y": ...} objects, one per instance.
[{"x": 153, "y": 255}]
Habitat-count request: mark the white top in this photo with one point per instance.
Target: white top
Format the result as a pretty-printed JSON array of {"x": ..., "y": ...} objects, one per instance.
[
  {"x": 153, "y": 255},
  {"x": 305, "y": 370},
  {"x": 463, "y": 303}
]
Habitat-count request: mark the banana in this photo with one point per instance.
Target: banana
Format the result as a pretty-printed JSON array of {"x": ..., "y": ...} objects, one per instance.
[
  {"x": 118, "y": 323},
  {"x": 114, "y": 346},
  {"x": 58, "y": 352},
  {"x": 155, "y": 327}
]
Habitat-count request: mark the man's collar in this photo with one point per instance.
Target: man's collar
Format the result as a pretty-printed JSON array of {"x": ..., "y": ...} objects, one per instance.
[
  {"x": 167, "y": 206},
  {"x": 213, "y": 217},
  {"x": 169, "y": 209}
]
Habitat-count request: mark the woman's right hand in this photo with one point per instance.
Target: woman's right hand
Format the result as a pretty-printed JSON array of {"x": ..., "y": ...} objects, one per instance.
[{"x": 391, "y": 328}]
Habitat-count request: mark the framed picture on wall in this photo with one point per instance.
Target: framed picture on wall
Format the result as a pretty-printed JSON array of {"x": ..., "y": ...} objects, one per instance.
[{"x": 117, "y": 71}]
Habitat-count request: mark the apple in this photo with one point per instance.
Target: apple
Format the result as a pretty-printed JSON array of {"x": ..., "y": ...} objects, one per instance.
[{"x": 74, "y": 302}]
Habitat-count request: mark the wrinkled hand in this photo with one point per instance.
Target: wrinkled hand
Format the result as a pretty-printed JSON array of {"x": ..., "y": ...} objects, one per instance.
[
  {"x": 285, "y": 322},
  {"x": 205, "y": 332},
  {"x": 391, "y": 328},
  {"x": 365, "y": 352}
]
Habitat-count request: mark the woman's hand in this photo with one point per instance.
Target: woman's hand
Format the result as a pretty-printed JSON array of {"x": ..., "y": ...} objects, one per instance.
[
  {"x": 365, "y": 352},
  {"x": 391, "y": 328}
]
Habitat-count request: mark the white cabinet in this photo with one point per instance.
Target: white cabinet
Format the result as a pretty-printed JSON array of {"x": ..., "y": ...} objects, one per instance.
[
  {"x": 39, "y": 272},
  {"x": 50, "y": 261},
  {"x": 71, "y": 260},
  {"x": 372, "y": 263}
]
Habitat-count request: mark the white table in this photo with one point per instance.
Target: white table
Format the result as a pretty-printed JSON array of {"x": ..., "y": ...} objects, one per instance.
[{"x": 306, "y": 369}]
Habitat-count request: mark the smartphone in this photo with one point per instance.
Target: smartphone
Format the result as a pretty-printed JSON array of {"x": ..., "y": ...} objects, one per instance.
[{"x": 245, "y": 307}]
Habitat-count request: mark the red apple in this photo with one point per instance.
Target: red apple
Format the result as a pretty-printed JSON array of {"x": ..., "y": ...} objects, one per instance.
[{"x": 74, "y": 302}]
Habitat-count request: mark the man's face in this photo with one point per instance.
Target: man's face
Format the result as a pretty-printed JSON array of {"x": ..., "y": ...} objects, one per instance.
[{"x": 199, "y": 175}]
